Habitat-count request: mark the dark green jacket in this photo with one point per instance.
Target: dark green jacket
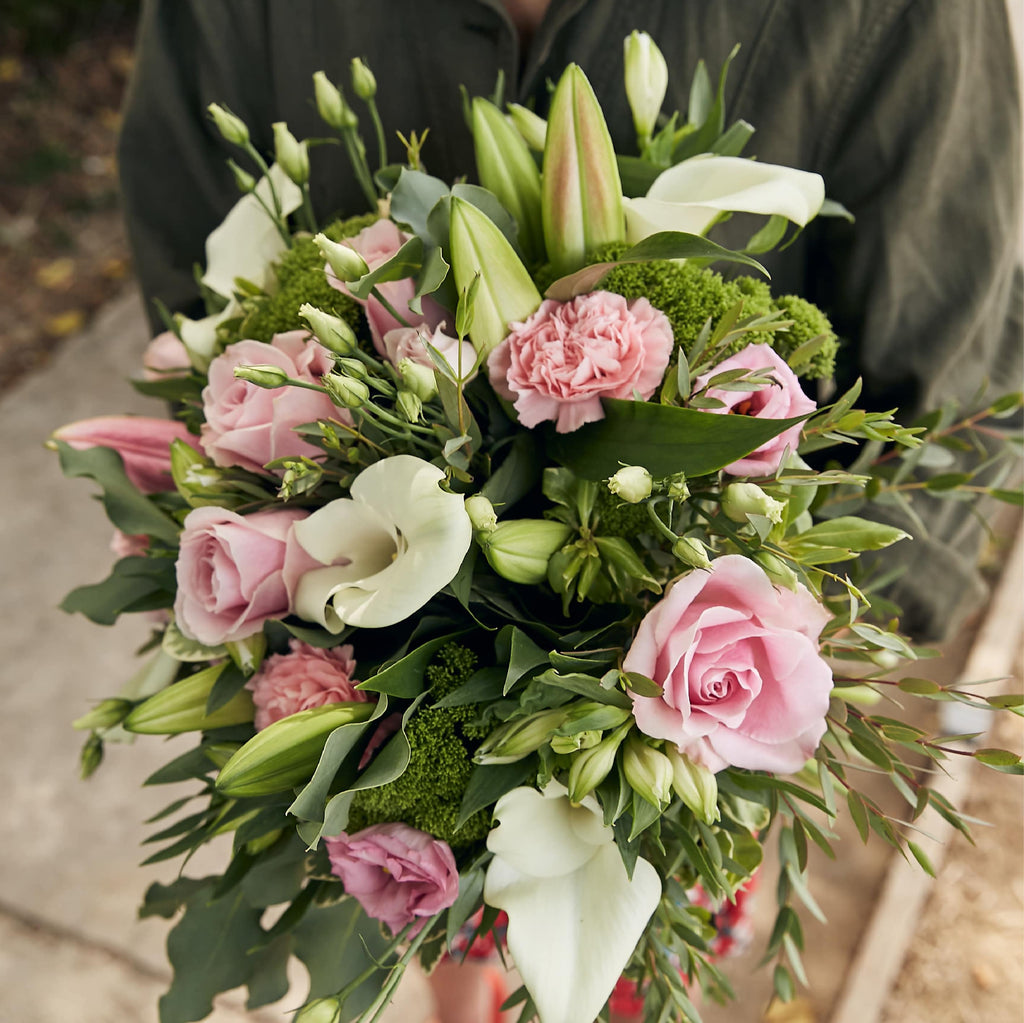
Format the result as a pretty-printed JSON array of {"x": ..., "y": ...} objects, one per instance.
[{"x": 908, "y": 108}]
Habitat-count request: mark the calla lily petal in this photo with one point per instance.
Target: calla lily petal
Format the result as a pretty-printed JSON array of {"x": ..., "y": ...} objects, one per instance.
[
  {"x": 200, "y": 336},
  {"x": 689, "y": 196},
  {"x": 574, "y": 914}
]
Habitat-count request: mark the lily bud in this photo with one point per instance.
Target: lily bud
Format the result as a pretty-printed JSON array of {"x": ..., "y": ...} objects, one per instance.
[
  {"x": 592, "y": 766},
  {"x": 291, "y": 155},
  {"x": 532, "y": 127},
  {"x": 742, "y": 499},
  {"x": 506, "y": 292},
  {"x": 231, "y": 127},
  {"x": 243, "y": 179},
  {"x": 517, "y": 739},
  {"x": 262, "y": 376},
  {"x": 577, "y": 741},
  {"x": 331, "y": 331},
  {"x": 181, "y": 707},
  {"x": 286, "y": 752},
  {"x": 777, "y": 570},
  {"x": 198, "y": 480},
  {"x": 409, "y": 406},
  {"x": 364, "y": 84},
  {"x": 418, "y": 378},
  {"x": 346, "y": 264},
  {"x": 592, "y": 714},
  {"x": 347, "y": 392},
  {"x": 322, "y": 1010},
  {"x": 691, "y": 552},
  {"x": 648, "y": 771},
  {"x": 481, "y": 513},
  {"x": 331, "y": 104},
  {"x": 519, "y": 550},
  {"x": 104, "y": 715},
  {"x": 694, "y": 785},
  {"x": 646, "y": 81},
  {"x": 581, "y": 196},
  {"x": 632, "y": 483}
]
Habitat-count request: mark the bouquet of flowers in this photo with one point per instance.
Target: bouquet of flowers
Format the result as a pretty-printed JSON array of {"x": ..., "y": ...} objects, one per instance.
[{"x": 488, "y": 570}]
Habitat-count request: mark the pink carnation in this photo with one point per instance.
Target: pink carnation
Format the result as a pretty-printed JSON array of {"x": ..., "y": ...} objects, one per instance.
[
  {"x": 784, "y": 399},
  {"x": 248, "y": 425},
  {"x": 567, "y": 356},
  {"x": 743, "y": 681},
  {"x": 304, "y": 678},
  {"x": 395, "y": 872}
]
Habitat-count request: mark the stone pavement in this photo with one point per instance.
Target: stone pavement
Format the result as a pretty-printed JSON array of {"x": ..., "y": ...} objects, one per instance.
[{"x": 71, "y": 948}]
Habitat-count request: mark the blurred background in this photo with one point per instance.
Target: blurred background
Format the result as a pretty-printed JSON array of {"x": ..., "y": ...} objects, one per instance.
[{"x": 71, "y": 331}]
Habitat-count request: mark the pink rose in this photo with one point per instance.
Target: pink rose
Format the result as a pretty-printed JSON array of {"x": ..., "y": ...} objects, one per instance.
[
  {"x": 744, "y": 683},
  {"x": 304, "y": 678},
  {"x": 783, "y": 400},
  {"x": 165, "y": 358},
  {"x": 395, "y": 872},
  {"x": 230, "y": 578},
  {"x": 144, "y": 445},
  {"x": 377, "y": 244},
  {"x": 247, "y": 425},
  {"x": 567, "y": 356},
  {"x": 411, "y": 343}
]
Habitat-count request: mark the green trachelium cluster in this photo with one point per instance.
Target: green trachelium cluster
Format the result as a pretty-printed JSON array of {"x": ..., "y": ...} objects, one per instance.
[
  {"x": 615, "y": 517},
  {"x": 429, "y": 794},
  {"x": 300, "y": 279}
]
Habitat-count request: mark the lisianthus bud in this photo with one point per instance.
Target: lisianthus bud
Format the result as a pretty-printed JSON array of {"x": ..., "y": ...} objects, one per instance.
[
  {"x": 592, "y": 766},
  {"x": 742, "y": 499},
  {"x": 231, "y": 127},
  {"x": 531, "y": 126},
  {"x": 363, "y": 82},
  {"x": 691, "y": 552},
  {"x": 91, "y": 757},
  {"x": 262, "y": 376},
  {"x": 331, "y": 331},
  {"x": 481, "y": 513},
  {"x": 648, "y": 771},
  {"x": 181, "y": 707},
  {"x": 577, "y": 741},
  {"x": 331, "y": 104},
  {"x": 322, "y": 1010},
  {"x": 632, "y": 483},
  {"x": 517, "y": 739},
  {"x": 346, "y": 391},
  {"x": 777, "y": 570},
  {"x": 519, "y": 550},
  {"x": 676, "y": 487},
  {"x": 292, "y": 156},
  {"x": 243, "y": 179},
  {"x": 646, "y": 81},
  {"x": 345, "y": 262},
  {"x": 694, "y": 785},
  {"x": 409, "y": 406},
  {"x": 418, "y": 378},
  {"x": 352, "y": 368},
  {"x": 104, "y": 715}
]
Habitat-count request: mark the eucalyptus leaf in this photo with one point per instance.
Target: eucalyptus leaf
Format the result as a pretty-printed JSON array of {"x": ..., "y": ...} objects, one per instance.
[{"x": 134, "y": 584}]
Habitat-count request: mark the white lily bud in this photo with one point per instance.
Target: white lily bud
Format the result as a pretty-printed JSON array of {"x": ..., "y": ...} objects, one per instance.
[
  {"x": 331, "y": 104},
  {"x": 331, "y": 331},
  {"x": 691, "y": 552},
  {"x": 105, "y": 714},
  {"x": 291, "y": 155},
  {"x": 577, "y": 741},
  {"x": 592, "y": 766},
  {"x": 364, "y": 84},
  {"x": 648, "y": 771},
  {"x": 418, "y": 378},
  {"x": 517, "y": 739},
  {"x": 532, "y": 127},
  {"x": 742, "y": 499},
  {"x": 632, "y": 483},
  {"x": 262, "y": 376},
  {"x": 694, "y": 785},
  {"x": 646, "y": 81},
  {"x": 229, "y": 125},
  {"x": 481, "y": 513},
  {"x": 345, "y": 262}
]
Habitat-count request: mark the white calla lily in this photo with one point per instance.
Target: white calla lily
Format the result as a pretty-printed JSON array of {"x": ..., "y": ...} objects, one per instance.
[
  {"x": 200, "y": 336},
  {"x": 247, "y": 240},
  {"x": 690, "y": 196},
  {"x": 574, "y": 915},
  {"x": 386, "y": 550}
]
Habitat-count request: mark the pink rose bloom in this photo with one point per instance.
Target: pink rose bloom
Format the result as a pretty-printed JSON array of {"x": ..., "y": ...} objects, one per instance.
[
  {"x": 377, "y": 244},
  {"x": 165, "y": 358},
  {"x": 784, "y": 400},
  {"x": 395, "y": 872},
  {"x": 411, "y": 343},
  {"x": 247, "y": 425},
  {"x": 306, "y": 677},
  {"x": 567, "y": 356},
  {"x": 230, "y": 573},
  {"x": 744, "y": 683},
  {"x": 144, "y": 445}
]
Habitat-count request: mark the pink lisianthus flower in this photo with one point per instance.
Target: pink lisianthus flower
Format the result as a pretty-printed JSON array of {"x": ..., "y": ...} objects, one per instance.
[
  {"x": 784, "y": 399},
  {"x": 144, "y": 445},
  {"x": 247, "y": 425},
  {"x": 411, "y": 343},
  {"x": 231, "y": 572},
  {"x": 301, "y": 679},
  {"x": 377, "y": 244},
  {"x": 395, "y": 872},
  {"x": 165, "y": 358},
  {"x": 743, "y": 681},
  {"x": 560, "y": 362}
]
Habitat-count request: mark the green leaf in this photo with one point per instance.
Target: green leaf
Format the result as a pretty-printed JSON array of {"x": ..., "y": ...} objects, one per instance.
[
  {"x": 922, "y": 858},
  {"x": 489, "y": 782},
  {"x": 414, "y": 196},
  {"x": 586, "y": 685},
  {"x": 701, "y": 140},
  {"x": 1009, "y": 496},
  {"x": 948, "y": 481},
  {"x": 996, "y": 757},
  {"x": 919, "y": 686},
  {"x": 851, "y": 533},
  {"x": 128, "y": 509},
  {"x": 664, "y": 439},
  {"x": 405, "y": 678},
  {"x": 134, "y": 584},
  {"x": 859, "y": 814},
  {"x": 166, "y": 899},
  {"x": 471, "y": 891},
  {"x": 524, "y": 656},
  {"x": 406, "y": 262}
]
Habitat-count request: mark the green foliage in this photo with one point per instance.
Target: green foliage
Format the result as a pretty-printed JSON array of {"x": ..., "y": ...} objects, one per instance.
[{"x": 429, "y": 793}]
